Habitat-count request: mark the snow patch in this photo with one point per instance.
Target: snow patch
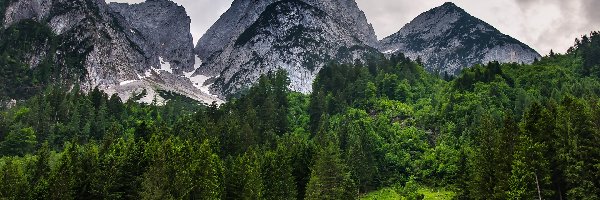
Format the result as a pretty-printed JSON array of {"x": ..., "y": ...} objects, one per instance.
[
  {"x": 390, "y": 51},
  {"x": 147, "y": 73},
  {"x": 165, "y": 66},
  {"x": 127, "y": 82},
  {"x": 199, "y": 80}
]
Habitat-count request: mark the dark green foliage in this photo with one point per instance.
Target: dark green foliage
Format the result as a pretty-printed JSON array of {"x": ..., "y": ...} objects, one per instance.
[
  {"x": 484, "y": 74},
  {"x": 270, "y": 17},
  {"x": 19, "y": 142},
  {"x": 3, "y": 5},
  {"x": 330, "y": 178},
  {"x": 277, "y": 171},
  {"x": 29, "y": 59},
  {"x": 498, "y": 131},
  {"x": 181, "y": 170},
  {"x": 244, "y": 179},
  {"x": 17, "y": 78},
  {"x": 589, "y": 49}
]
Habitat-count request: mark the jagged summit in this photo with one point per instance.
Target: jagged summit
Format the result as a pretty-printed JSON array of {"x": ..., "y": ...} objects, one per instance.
[
  {"x": 448, "y": 39},
  {"x": 118, "y": 48},
  {"x": 449, "y": 5},
  {"x": 243, "y": 13},
  {"x": 299, "y": 36},
  {"x": 165, "y": 30},
  {"x": 123, "y": 48}
]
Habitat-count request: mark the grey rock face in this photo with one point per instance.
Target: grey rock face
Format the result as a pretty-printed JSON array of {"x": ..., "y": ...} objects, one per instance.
[
  {"x": 21, "y": 10},
  {"x": 230, "y": 25},
  {"x": 296, "y": 36},
  {"x": 448, "y": 39},
  {"x": 347, "y": 13},
  {"x": 88, "y": 31},
  {"x": 165, "y": 30},
  {"x": 243, "y": 13},
  {"x": 112, "y": 50}
]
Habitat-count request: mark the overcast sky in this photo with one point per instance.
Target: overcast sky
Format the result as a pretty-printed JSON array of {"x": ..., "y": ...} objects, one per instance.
[{"x": 542, "y": 24}]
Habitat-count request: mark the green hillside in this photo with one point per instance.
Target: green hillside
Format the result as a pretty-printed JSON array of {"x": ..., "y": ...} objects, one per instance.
[{"x": 376, "y": 130}]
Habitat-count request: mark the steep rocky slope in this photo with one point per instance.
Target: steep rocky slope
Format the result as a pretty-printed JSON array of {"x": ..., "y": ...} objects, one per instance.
[
  {"x": 111, "y": 50},
  {"x": 448, "y": 39},
  {"x": 243, "y": 13},
  {"x": 165, "y": 28},
  {"x": 87, "y": 29},
  {"x": 253, "y": 38}
]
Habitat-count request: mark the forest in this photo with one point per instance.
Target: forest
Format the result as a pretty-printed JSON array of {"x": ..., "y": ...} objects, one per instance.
[{"x": 382, "y": 129}]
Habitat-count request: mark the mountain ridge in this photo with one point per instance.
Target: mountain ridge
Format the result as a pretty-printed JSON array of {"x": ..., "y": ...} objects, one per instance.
[
  {"x": 448, "y": 39},
  {"x": 113, "y": 54},
  {"x": 125, "y": 48},
  {"x": 299, "y": 37}
]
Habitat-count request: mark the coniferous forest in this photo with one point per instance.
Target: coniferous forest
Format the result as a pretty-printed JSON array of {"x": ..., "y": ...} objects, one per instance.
[{"x": 381, "y": 129}]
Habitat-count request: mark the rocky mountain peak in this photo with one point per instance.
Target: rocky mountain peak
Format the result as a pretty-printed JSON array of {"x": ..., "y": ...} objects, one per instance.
[
  {"x": 349, "y": 14},
  {"x": 119, "y": 48},
  {"x": 448, "y": 39},
  {"x": 243, "y": 13},
  {"x": 294, "y": 35},
  {"x": 450, "y": 5},
  {"x": 151, "y": 19}
]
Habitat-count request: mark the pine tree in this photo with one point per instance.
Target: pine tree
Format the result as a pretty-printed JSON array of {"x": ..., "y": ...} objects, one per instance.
[
  {"x": 485, "y": 160},
  {"x": 330, "y": 179},
  {"x": 277, "y": 175},
  {"x": 40, "y": 174},
  {"x": 19, "y": 142},
  {"x": 577, "y": 151},
  {"x": 360, "y": 148},
  {"x": 531, "y": 174},
  {"x": 509, "y": 134},
  {"x": 13, "y": 180},
  {"x": 243, "y": 177},
  {"x": 63, "y": 180}
]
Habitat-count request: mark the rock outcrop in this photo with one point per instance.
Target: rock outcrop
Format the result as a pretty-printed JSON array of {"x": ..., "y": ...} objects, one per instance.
[
  {"x": 256, "y": 37},
  {"x": 112, "y": 46},
  {"x": 165, "y": 30}
]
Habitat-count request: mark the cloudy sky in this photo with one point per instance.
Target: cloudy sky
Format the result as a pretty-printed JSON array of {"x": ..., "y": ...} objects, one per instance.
[{"x": 542, "y": 24}]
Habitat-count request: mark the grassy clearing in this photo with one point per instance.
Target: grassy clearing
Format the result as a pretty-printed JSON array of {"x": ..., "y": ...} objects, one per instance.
[
  {"x": 436, "y": 194},
  {"x": 390, "y": 193},
  {"x": 386, "y": 193}
]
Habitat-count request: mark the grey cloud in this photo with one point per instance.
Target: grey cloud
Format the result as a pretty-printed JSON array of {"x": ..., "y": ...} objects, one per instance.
[
  {"x": 592, "y": 10},
  {"x": 526, "y": 4}
]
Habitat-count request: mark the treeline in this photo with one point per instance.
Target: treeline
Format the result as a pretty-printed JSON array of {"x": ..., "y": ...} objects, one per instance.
[
  {"x": 496, "y": 131},
  {"x": 32, "y": 57}
]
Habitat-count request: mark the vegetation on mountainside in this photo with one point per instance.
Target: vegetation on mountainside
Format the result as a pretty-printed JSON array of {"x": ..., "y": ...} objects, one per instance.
[{"x": 497, "y": 131}]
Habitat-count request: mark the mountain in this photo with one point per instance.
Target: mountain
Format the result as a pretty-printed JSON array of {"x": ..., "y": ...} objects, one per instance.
[
  {"x": 448, "y": 39},
  {"x": 85, "y": 29},
  {"x": 152, "y": 19},
  {"x": 127, "y": 49},
  {"x": 255, "y": 37},
  {"x": 121, "y": 49}
]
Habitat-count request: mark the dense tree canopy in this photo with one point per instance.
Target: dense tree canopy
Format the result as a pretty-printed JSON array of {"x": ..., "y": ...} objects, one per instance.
[{"x": 496, "y": 131}]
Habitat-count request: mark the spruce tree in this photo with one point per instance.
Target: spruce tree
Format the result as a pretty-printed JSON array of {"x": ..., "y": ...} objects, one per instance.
[{"x": 330, "y": 179}]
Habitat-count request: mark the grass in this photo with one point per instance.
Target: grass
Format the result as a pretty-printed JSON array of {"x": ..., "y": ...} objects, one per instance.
[
  {"x": 436, "y": 194},
  {"x": 390, "y": 193},
  {"x": 383, "y": 194}
]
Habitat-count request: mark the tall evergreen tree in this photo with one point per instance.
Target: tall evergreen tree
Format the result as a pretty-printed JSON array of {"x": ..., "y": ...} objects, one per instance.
[
  {"x": 277, "y": 175},
  {"x": 330, "y": 178}
]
